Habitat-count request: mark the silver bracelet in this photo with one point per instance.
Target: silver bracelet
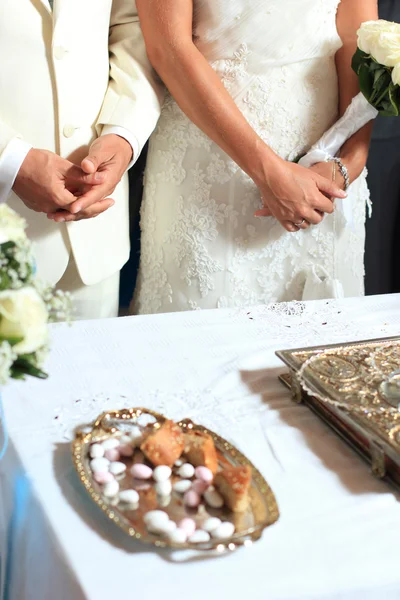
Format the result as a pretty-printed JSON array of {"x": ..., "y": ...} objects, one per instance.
[{"x": 343, "y": 171}]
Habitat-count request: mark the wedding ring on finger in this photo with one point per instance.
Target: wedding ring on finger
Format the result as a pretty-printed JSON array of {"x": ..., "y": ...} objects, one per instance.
[{"x": 303, "y": 224}]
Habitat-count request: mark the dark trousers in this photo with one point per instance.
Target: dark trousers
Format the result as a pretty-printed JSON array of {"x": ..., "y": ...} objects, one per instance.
[
  {"x": 129, "y": 272},
  {"x": 382, "y": 250}
]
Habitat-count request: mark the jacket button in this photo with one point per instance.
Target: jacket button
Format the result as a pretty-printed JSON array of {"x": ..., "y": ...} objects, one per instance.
[
  {"x": 68, "y": 131},
  {"x": 59, "y": 52}
]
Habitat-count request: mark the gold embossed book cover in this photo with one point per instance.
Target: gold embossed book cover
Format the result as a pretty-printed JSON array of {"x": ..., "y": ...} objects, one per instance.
[{"x": 355, "y": 388}]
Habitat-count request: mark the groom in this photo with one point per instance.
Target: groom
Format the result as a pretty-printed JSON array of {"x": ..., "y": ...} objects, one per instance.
[{"x": 78, "y": 101}]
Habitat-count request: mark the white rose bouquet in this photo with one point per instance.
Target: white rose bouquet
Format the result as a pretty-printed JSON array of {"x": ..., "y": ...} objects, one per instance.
[
  {"x": 25, "y": 307},
  {"x": 377, "y": 64}
]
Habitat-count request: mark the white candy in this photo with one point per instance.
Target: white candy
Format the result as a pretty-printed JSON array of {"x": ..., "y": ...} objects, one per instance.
[
  {"x": 211, "y": 524},
  {"x": 145, "y": 420},
  {"x": 179, "y": 462},
  {"x": 125, "y": 439},
  {"x": 164, "y": 501},
  {"x": 136, "y": 435},
  {"x": 116, "y": 468},
  {"x": 129, "y": 496},
  {"x": 110, "y": 443},
  {"x": 182, "y": 486},
  {"x": 96, "y": 451},
  {"x": 99, "y": 465},
  {"x": 170, "y": 527},
  {"x": 199, "y": 537},
  {"x": 111, "y": 489},
  {"x": 224, "y": 531},
  {"x": 155, "y": 515},
  {"x": 186, "y": 471},
  {"x": 177, "y": 536},
  {"x": 213, "y": 498},
  {"x": 163, "y": 488},
  {"x": 164, "y": 527},
  {"x": 162, "y": 473}
]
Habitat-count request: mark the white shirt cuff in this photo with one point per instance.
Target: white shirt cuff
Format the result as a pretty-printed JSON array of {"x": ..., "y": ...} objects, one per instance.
[
  {"x": 128, "y": 136},
  {"x": 10, "y": 163}
]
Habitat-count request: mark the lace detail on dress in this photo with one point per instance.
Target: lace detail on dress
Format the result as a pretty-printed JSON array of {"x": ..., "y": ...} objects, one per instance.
[
  {"x": 197, "y": 221},
  {"x": 235, "y": 68}
]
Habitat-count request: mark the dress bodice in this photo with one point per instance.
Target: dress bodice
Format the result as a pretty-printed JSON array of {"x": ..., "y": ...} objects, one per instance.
[{"x": 276, "y": 32}]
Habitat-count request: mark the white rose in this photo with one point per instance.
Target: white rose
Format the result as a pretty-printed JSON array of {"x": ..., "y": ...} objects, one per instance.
[
  {"x": 381, "y": 39},
  {"x": 368, "y": 32},
  {"x": 12, "y": 226},
  {"x": 23, "y": 314},
  {"x": 396, "y": 75}
]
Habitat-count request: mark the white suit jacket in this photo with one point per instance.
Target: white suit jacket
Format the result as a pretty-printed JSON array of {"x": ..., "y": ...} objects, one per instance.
[{"x": 63, "y": 77}]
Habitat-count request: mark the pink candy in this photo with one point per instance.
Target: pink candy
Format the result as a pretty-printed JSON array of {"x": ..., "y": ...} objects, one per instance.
[
  {"x": 188, "y": 526},
  {"x": 112, "y": 454},
  {"x": 204, "y": 474},
  {"x": 192, "y": 499},
  {"x": 199, "y": 486},
  {"x": 140, "y": 471},
  {"x": 103, "y": 477},
  {"x": 125, "y": 450}
]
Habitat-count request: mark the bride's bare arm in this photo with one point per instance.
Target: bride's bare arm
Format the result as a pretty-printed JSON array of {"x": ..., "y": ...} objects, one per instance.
[
  {"x": 290, "y": 193},
  {"x": 351, "y": 13}
]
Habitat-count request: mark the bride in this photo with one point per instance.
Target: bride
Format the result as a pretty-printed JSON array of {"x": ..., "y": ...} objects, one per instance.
[{"x": 228, "y": 217}]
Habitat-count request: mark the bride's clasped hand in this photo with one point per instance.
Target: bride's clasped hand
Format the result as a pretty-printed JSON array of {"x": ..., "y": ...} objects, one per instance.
[{"x": 297, "y": 197}]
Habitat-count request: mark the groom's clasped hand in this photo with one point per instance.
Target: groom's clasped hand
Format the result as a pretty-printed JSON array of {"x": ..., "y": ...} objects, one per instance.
[{"x": 67, "y": 192}]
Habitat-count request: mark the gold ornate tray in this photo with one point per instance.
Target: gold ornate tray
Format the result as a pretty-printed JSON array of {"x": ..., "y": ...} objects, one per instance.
[
  {"x": 355, "y": 388},
  {"x": 249, "y": 525}
]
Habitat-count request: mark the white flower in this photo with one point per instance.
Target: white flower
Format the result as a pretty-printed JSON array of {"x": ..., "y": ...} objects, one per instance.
[
  {"x": 12, "y": 226},
  {"x": 7, "y": 358},
  {"x": 23, "y": 314},
  {"x": 381, "y": 39},
  {"x": 396, "y": 75}
]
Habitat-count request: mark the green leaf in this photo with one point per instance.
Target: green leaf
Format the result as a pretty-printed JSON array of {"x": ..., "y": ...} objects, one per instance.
[
  {"x": 7, "y": 246},
  {"x": 5, "y": 281},
  {"x": 11, "y": 340},
  {"x": 366, "y": 81},
  {"x": 379, "y": 76},
  {"x": 380, "y": 82},
  {"x": 358, "y": 59},
  {"x": 17, "y": 374},
  {"x": 386, "y": 109},
  {"x": 394, "y": 100},
  {"x": 373, "y": 66},
  {"x": 24, "y": 366}
]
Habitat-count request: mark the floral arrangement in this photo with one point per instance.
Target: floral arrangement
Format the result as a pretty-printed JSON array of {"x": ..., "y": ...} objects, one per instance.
[
  {"x": 26, "y": 307},
  {"x": 377, "y": 65}
]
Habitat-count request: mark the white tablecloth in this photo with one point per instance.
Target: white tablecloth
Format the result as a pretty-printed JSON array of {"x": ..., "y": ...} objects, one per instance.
[{"x": 338, "y": 534}]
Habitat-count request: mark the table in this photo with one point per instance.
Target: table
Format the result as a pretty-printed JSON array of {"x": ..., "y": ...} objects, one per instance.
[{"x": 338, "y": 534}]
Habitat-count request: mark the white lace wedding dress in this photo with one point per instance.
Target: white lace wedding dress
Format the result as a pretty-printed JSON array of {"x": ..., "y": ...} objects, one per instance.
[{"x": 201, "y": 245}]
